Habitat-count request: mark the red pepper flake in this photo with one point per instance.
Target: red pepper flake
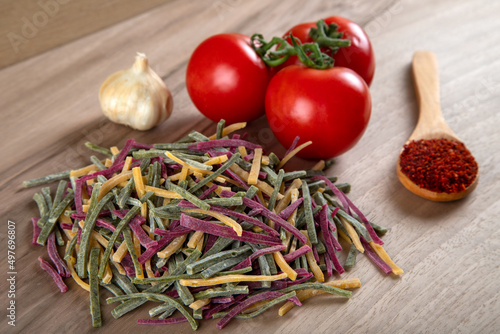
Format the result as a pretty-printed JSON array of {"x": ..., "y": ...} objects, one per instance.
[{"x": 439, "y": 165}]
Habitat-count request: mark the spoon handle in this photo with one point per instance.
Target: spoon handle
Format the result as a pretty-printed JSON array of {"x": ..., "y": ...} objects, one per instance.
[{"x": 426, "y": 78}]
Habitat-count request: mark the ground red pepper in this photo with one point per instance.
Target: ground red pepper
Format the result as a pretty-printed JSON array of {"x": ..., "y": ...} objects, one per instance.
[{"x": 439, "y": 165}]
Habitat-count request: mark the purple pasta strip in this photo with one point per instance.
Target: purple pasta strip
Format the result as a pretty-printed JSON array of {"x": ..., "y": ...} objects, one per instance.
[
  {"x": 327, "y": 236},
  {"x": 365, "y": 221},
  {"x": 292, "y": 147},
  {"x": 105, "y": 224},
  {"x": 36, "y": 230},
  {"x": 66, "y": 226},
  {"x": 340, "y": 195},
  {"x": 287, "y": 212},
  {"x": 303, "y": 279},
  {"x": 53, "y": 273},
  {"x": 143, "y": 237},
  {"x": 244, "y": 217},
  {"x": 374, "y": 257},
  {"x": 315, "y": 253},
  {"x": 172, "y": 233},
  {"x": 210, "y": 242},
  {"x": 227, "y": 232},
  {"x": 167, "y": 321},
  {"x": 222, "y": 307},
  {"x": 128, "y": 265},
  {"x": 297, "y": 253},
  {"x": 82, "y": 216},
  {"x": 247, "y": 302},
  {"x": 208, "y": 191},
  {"x": 275, "y": 218},
  {"x": 248, "y": 261},
  {"x": 61, "y": 267},
  {"x": 222, "y": 300},
  {"x": 124, "y": 152},
  {"x": 328, "y": 262},
  {"x": 141, "y": 146}
]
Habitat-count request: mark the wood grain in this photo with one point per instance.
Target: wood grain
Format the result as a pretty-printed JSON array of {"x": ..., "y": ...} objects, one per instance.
[
  {"x": 31, "y": 27},
  {"x": 450, "y": 251}
]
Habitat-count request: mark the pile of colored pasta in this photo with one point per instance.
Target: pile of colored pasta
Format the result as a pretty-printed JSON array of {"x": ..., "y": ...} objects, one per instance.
[{"x": 206, "y": 226}]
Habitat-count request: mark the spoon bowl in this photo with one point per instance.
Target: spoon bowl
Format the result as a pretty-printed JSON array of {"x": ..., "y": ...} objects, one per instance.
[{"x": 431, "y": 123}]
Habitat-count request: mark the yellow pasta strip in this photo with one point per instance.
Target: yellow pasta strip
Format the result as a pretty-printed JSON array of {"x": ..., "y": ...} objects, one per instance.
[
  {"x": 302, "y": 295},
  {"x": 126, "y": 165},
  {"x": 149, "y": 270},
  {"x": 284, "y": 266},
  {"x": 199, "y": 303},
  {"x": 344, "y": 236},
  {"x": 291, "y": 154},
  {"x": 83, "y": 171},
  {"x": 253, "y": 176},
  {"x": 138, "y": 181},
  {"x": 230, "y": 279},
  {"x": 263, "y": 186},
  {"x": 108, "y": 163},
  {"x": 353, "y": 235},
  {"x": 223, "y": 218},
  {"x": 200, "y": 244},
  {"x": 162, "y": 192},
  {"x": 113, "y": 182},
  {"x": 229, "y": 129},
  {"x": 85, "y": 208},
  {"x": 172, "y": 247},
  {"x": 265, "y": 160},
  {"x": 137, "y": 246},
  {"x": 119, "y": 267},
  {"x": 385, "y": 257},
  {"x": 184, "y": 173},
  {"x": 283, "y": 203},
  {"x": 114, "y": 150},
  {"x": 216, "y": 160},
  {"x": 320, "y": 165},
  {"x": 313, "y": 265},
  {"x": 120, "y": 253},
  {"x": 243, "y": 151},
  {"x": 71, "y": 266},
  {"x": 195, "y": 238},
  {"x": 144, "y": 210}
]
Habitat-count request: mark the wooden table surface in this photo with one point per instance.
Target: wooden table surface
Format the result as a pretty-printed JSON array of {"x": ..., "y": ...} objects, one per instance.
[{"x": 450, "y": 251}]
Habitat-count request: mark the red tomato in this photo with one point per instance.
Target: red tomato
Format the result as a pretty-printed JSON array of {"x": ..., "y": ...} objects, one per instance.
[
  {"x": 329, "y": 107},
  {"x": 359, "y": 56},
  {"x": 227, "y": 80}
]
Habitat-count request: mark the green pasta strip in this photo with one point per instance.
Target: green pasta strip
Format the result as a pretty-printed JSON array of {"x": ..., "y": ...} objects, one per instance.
[
  {"x": 95, "y": 307},
  {"x": 47, "y": 179},
  {"x": 53, "y": 216},
  {"x": 98, "y": 149},
  {"x": 317, "y": 286},
  {"x": 127, "y": 237},
  {"x": 161, "y": 298},
  {"x": 215, "y": 174},
  {"x": 187, "y": 195},
  {"x": 311, "y": 229},
  {"x": 88, "y": 227}
]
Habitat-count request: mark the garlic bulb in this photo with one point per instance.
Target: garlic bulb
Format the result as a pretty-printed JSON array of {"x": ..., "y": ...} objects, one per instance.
[{"x": 136, "y": 97}]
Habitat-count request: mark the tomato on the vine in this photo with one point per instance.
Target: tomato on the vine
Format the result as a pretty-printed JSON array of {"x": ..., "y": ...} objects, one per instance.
[
  {"x": 226, "y": 79},
  {"x": 359, "y": 56},
  {"x": 329, "y": 107}
]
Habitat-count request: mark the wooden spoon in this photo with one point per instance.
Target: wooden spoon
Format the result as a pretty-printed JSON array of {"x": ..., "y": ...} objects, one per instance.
[{"x": 431, "y": 123}]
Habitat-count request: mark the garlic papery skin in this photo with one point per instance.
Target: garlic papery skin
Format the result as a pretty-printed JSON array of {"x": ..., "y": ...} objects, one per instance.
[{"x": 136, "y": 97}]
